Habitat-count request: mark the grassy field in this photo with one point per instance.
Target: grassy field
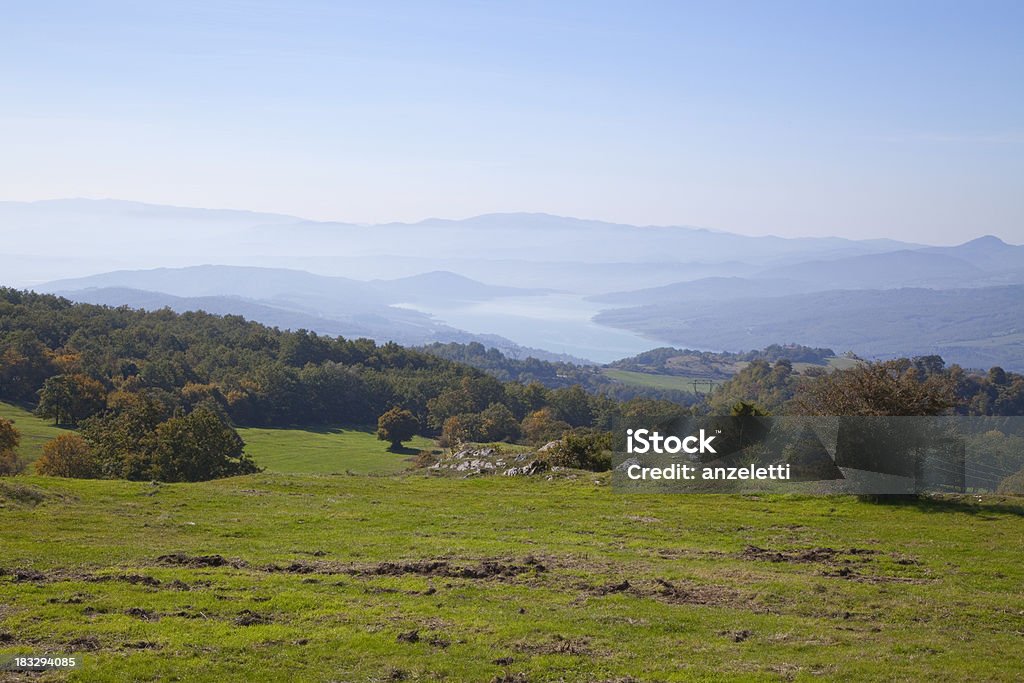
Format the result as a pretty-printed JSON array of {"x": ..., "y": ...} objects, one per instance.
[
  {"x": 408, "y": 577},
  {"x": 325, "y": 451},
  {"x": 34, "y": 431},
  {"x": 685, "y": 383},
  {"x": 336, "y": 449},
  {"x": 644, "y": 379}
]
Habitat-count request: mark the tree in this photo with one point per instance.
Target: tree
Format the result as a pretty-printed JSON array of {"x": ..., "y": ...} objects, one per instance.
[
  {"x": 68, "y": 455},
  {"x": 395, "y": 426},
  {"x": 10, "y": 462},
  {"x": 456, "y": 431},
  {"x": 766, "y": 386},
  {"x": 540, "y": 427},
  {"x": 70, "y": 398},
  {"x": 10, "y": 437},
  {"x": 198, "y": 447},
  {"x": 893, "y": 387},
  {"x": 497, "y": 423},
  {"x": 584, "y": 450}
]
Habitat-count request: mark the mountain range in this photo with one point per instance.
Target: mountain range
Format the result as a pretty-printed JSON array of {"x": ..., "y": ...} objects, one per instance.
[{"x": 463, "y": 280}]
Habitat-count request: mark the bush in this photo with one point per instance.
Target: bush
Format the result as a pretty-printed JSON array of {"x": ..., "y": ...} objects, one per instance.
[
  {"x": 583, "y": 450},
  {"x": 68, "y": 455},
  {"x": 10, "y": 437},
  {"x": 1012, "y": 485},
  {"x": 11, "y": 464}
]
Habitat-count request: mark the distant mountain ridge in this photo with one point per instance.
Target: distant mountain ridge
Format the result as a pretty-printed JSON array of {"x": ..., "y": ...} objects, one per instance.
[
  {"x": 977, "y": 328},
  {"x": 694, "y": 287},
  {"x": 106, "y": 235}
]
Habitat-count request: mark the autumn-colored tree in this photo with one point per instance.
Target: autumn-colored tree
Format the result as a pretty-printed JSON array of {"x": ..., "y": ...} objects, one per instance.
[
  {"x": 895, "y": 387},
  {"x": 541, "y": 426},
  {"x": 10, "y": 462},
  {"x": 68, "y": 455},
  {"x": 10, "y": 437}
]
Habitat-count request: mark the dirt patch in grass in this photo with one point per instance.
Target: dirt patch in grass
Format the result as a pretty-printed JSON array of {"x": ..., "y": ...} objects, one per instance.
[
  {"x": 84, "y": 644},
  {"x": 558, "y": 645},
  {"x": 250, "y": 618},
  {"x": 24, "y": 575},
  {"x": 486, "y": 569},
  {"x": 134, "y": 579},
  {"x": 828, "y": 555},
  {"x": 408, "y": 637},
  {"x": 674, "y": 592},
  {"x": 140, "y": 613},
  {"x": 199, "y": 561},
  {"x": 679, "y": 593}
]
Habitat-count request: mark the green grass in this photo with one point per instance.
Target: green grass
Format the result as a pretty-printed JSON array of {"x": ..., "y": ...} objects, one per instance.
[
  {"x": 644, "y": 379},
  {"x": 325, "y": 451},
  {"x": 913, "y": 591},
  {"x": 34, "y": 431}
]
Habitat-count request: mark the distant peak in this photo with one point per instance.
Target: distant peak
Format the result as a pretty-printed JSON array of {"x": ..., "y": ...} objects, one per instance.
[{"x": 986, "y": 241}]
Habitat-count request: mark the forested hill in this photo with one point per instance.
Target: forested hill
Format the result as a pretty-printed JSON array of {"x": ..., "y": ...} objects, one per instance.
[
  {"x": 552, "y": 374},
  {"x": 75, "y": 361}
]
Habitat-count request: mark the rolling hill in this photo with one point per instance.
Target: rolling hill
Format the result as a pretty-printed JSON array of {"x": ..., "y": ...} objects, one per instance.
[{"x": 977, "y": 327}]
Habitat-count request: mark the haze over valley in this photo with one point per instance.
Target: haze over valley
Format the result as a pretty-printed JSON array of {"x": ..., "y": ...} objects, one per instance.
[{"x": 548, "y": 286}]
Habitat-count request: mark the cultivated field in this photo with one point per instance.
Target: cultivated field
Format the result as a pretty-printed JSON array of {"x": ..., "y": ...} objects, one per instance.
[{"x": 348, "y": 577}]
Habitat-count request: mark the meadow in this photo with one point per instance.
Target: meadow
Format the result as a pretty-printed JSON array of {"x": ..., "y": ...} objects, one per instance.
[
  {"x": 670, "y": 382},
  {"x": 369, "y": 576}
]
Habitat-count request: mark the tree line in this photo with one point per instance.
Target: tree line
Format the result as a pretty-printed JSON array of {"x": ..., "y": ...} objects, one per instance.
[{"x": 145, "y": 387}]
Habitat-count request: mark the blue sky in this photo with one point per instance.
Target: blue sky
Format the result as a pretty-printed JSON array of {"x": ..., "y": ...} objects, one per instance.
[{"x": 862, "y": 119}]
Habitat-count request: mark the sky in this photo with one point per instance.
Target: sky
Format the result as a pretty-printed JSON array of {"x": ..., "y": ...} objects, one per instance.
[{"x": 858, "y": 119}]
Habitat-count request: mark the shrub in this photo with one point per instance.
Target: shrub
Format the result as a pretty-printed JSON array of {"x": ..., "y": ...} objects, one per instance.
[
  {"x": 583, "y": 450},
  {"x": 68, "y": 455},
  {"x": 10, "y": 437},
  {"x": 1012, "y": 485},
  {"x": 11, "y": 464}
]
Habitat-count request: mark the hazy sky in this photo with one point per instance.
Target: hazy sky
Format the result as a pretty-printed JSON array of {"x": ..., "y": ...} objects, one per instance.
[{"x": 895, "y": 118}]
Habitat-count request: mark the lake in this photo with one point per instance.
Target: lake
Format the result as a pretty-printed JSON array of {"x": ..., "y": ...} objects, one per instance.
[{"x": 560, "y": 323}]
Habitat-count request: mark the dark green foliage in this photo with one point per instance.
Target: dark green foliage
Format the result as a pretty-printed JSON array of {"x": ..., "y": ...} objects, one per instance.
[
  {"x": 197, "y": 447},
  {"x": 139, "y": 441},
  {"x": 397, "y": 425},
  {"x": 70, "y": 398},
  {"x": 584, "y": 450},
  {"x": 687, "y": 362},
  {"x": 768, "y": 387}
]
